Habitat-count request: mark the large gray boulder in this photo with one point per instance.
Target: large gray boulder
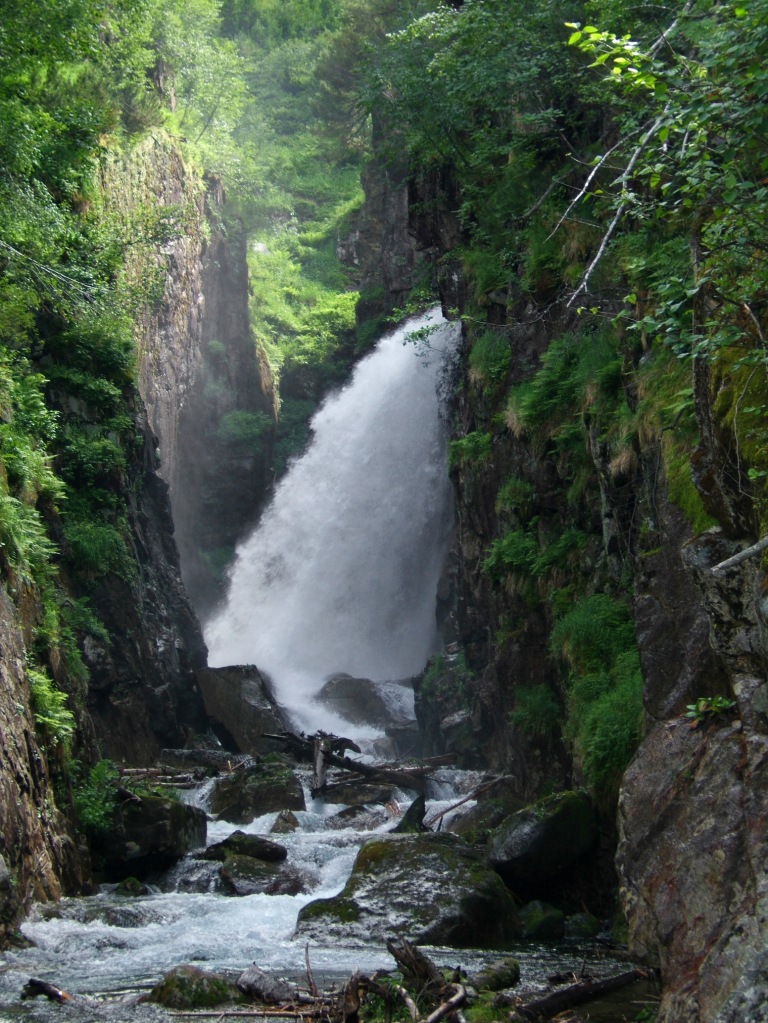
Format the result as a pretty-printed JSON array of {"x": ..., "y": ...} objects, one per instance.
[
  {"x": 540, "y": 843},
  {"x": 428, "y": 888},
  {"x": 240, "y": 705}
]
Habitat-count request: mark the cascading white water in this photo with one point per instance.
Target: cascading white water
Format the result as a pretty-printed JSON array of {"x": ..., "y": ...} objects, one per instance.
[{"x": 341, "y": 574}]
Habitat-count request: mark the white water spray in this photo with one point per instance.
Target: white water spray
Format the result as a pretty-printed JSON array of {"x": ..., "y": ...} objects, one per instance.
[{"x": 342, "y": 573}]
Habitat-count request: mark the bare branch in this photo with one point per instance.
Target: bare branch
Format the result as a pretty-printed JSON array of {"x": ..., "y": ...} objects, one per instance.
[{"x": 748, "y": 552}]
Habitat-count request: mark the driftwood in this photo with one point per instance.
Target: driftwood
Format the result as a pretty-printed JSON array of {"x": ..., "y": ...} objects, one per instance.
[
  {"x": 33, "y": 988},
  {"x": 419, "y": 972},
  {"x": 325, "y": 749},
  {"x": 577, "y": 994}
]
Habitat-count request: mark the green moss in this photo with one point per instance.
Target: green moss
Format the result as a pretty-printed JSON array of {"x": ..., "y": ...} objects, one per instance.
[
  {"x": 341, "y": 909},
  {"x": 186, "y": 987}
]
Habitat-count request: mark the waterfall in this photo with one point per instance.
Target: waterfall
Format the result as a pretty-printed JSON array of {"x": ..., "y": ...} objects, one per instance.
[{"x": 342, "y": 572}]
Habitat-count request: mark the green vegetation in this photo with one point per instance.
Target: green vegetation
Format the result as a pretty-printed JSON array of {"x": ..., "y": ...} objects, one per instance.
[
  {"x": 537, "y": 712},
  {"x": 596, "y": 642},
  {"x": 708, "y": 707},
  {"x": 94, "y": 798},
  {"x": 56, "y": 723}
]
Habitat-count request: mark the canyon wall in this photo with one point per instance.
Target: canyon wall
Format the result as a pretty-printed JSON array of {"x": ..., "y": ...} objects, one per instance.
[{"x": 688, "y": 840}]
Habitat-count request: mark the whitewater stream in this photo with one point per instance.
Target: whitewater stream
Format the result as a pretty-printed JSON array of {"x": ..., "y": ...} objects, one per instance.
[{"x": 341, "y": 575}]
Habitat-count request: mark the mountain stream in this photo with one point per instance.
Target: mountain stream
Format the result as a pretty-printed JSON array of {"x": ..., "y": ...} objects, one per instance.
[{"x": 341, "y": 575}]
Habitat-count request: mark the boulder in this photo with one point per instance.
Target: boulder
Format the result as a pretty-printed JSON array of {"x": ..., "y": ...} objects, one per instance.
[
  {"x": 268, "y": 786},
  {"x": 539, "y": 844},
  {"x": 188, "y": 987},
  {"x": 385, "y": 705},
  {"x": 497, "y": 976},
  {"x": 148, "y": 836},
  {"x": 363, "y": 702},
  {"x": 542, "y": 922},
  {"x": 240, "y": 706},
  {"x": 243, "y": 875},
  {"x": 286, "y": 822},
  {"x": 582, "y": 925},
  {"x": 429, "y": 888},
  {"x": 496, "y": 801},
  {"x": 240, "y": 844},
  {"x": 259, "y": 985}
]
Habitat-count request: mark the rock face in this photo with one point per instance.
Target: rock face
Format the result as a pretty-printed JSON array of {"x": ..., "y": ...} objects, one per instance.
[
  {"x": 240, "y": 706},
  {"x": 37, "y": 858},
  {"x": 142, "y": 695},
  {"x": 693, "y": 814},
  {"x": 209, "y": 395},
  {"x": 430, "y": 888}
]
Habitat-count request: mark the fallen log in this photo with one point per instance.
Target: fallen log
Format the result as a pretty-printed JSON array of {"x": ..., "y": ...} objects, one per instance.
[
  {"x": 419, "y": 972},
  {"x": 577, "y": 994},
  {"x": 34, "y": 987}
]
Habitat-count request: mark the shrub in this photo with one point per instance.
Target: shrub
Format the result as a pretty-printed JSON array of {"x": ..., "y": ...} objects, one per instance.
[
  {"x": 515, "y": 495},
  {"x": 95, "y": 798},
  {"x": 97, "y": 549}
]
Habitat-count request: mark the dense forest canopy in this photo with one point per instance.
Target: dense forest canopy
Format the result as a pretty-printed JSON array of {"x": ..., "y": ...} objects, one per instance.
[{"x": 604, "y": 156}]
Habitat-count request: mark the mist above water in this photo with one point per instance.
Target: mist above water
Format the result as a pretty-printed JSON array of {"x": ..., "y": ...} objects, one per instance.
[{"x": 341, "y": 575}]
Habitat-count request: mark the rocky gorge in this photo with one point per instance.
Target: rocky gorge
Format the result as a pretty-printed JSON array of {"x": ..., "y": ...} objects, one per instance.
[{"x": 602, "y": 655}]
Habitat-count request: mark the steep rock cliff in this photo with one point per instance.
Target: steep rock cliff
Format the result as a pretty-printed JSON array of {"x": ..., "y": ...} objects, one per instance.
[
  {"x": 690, "y": 855},
  {"x": 209, "y": 394}
]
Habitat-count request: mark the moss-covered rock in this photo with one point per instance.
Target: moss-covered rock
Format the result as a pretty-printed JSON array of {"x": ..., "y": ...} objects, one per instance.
[
  {"x": 542, "y": 922},
  {"x": 149, "y": 836},
  {"x": 430, "y": 888},
  {"x": 540, "y": 843},
  {"x": 582, "y": 925},
  {"x": 241, "y": 844},
  {"x": 498, "y": 976},
  {"x": 268, "y": 786},
  {"x": 187, "y": 987}
]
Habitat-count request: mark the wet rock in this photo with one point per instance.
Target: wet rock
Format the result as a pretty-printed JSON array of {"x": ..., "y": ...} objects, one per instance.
[
  {"x": 545, "y": 840},
  {"x": 386, "y": 705},
  {"x": 268, "y": 786},
  {"x": 286, "y": 823},
  {"x": 582, "y": 925},
  {"x": 358, "y": 794},
  {"x": 188, "y": 987},
  {"x": 497, "y": 800},
  {"x": 359, "y": 818},
  {"x": 413, "y": 818},
  {"x": 243, "y": 875},
  {"x": 131, "y": 887},
  {"x": 149, "y": 836},
  {"x": 429, "y": 888},
  {"x": 259, "y": 985},
  {"x": 497, "y": 976},
  {"x": 241, "y": 708},
  {"x": 241, "y": 844},
  {"x": 363, "y": 702},
  {"x": 542, "y": 922}
]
